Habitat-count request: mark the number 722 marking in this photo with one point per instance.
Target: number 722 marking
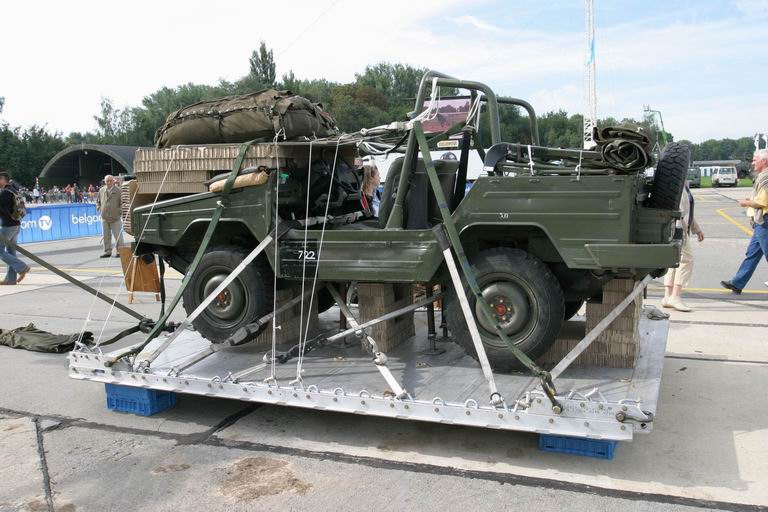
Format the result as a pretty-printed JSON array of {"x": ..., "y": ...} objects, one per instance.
[{"x": 306, "y": 255}]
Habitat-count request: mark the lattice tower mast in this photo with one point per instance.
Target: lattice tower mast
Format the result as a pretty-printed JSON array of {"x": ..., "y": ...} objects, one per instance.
[{"x": 590, "y": 92}]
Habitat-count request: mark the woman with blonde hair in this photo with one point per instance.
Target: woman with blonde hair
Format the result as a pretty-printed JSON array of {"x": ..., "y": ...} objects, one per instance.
[{"x": 371, "y": 182}]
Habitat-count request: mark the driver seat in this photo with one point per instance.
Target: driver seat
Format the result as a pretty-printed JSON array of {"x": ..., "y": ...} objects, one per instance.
[{"x": 421, "y": 210}]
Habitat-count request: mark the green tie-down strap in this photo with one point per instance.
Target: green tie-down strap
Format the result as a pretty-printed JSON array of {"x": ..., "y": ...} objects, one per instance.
[
  {"x": 221, "y": 206},
  {"x": 455, "y": 240}
]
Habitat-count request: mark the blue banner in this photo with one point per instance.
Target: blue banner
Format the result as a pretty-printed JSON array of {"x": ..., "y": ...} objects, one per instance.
[{"x": 59, "y": 222}]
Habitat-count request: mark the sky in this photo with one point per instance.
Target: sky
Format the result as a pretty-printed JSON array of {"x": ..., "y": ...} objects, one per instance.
[{"x": 703, "y": 63}]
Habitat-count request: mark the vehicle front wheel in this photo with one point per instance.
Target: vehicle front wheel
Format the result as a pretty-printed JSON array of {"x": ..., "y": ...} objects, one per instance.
[
  {"x": 246, "y": 299},
  {"x": 527, "y": 302}
]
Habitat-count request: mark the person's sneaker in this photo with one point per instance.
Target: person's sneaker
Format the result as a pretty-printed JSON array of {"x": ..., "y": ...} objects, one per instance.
[
  {"x": 665, "y": 303},
  {"x": 105, "y": 255},
  {"x": 729, "y": 286},
  {"x": 679, "y": 305}
]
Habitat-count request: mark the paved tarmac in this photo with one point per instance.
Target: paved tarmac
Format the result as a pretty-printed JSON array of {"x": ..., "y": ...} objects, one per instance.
[{"x": 61, "y": 449}]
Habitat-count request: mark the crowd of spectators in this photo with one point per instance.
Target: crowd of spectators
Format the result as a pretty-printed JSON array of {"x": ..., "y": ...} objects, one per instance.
[{"x": 68, "y": 194}]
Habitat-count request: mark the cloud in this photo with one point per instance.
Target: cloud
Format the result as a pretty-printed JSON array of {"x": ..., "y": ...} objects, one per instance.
[
  {"x": 569, "y": 97},
  {"x": 752, "y": 7},
  {"x": 468, "y": 19}
]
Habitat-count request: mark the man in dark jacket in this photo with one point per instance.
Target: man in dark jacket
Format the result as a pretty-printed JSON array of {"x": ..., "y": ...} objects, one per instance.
[{"x": 9, "y": 231}]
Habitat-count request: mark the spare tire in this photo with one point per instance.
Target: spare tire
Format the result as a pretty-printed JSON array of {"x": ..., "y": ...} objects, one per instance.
[
  {"x": 526, "y": 297},
  {"x": 669, "y": 177}
]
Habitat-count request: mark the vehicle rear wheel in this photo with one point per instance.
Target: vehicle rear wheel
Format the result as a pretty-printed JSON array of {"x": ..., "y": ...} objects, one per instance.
[
  {"x": 669, "y": 177},
  {"x": 526, "y": 298},
  {"x": 246, "y": 299},
  {"x": 571, "y": 308}
]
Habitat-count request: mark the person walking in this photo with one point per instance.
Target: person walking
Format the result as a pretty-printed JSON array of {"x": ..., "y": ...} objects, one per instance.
[
  {"x": 10, "y": 224},
  {"x": 757, "y": 208},
  {"x": 676, "y": 279},
  {"x": 108, "y": 204}
]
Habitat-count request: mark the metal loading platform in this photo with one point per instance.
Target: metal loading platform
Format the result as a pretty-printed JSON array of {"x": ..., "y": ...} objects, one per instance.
[{"x": 597, "y": 402}]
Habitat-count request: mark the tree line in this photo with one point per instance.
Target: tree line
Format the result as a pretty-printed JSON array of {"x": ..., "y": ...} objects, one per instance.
[{"x": 378, "y": 95}]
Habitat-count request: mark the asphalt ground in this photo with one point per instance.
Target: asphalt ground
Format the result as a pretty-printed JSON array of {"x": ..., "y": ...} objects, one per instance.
[{"x": 61, "y": 449}]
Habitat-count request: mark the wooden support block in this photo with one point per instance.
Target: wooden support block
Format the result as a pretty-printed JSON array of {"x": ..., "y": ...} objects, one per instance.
[
  {"x": 617, "y": 346},
  {"x": 377, "y": 299},
  {"x": 290, "y": 325}
]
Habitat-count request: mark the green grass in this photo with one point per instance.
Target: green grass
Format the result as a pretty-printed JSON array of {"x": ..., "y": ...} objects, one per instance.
[{"x": 706, "y": 182}]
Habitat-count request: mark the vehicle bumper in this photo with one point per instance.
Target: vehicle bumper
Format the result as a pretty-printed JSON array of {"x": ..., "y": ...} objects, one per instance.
[{"x": 635, "y": 255}]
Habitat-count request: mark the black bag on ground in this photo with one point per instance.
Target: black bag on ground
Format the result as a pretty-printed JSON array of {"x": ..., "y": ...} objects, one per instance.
[
  {"x": 236, "y": 119},
  {"x": 32, "y": 338}
]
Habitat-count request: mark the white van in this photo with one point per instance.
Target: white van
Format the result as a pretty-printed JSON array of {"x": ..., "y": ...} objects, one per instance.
[{"x": 724, "y": 177}]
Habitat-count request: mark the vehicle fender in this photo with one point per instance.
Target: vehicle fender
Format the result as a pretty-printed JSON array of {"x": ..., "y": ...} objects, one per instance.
[
  {"x": 225, "y": 230},
  {"x": 547, "y": 252}
]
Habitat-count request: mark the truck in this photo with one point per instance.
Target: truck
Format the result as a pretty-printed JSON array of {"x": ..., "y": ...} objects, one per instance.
[{"x": 541, "y": 238}]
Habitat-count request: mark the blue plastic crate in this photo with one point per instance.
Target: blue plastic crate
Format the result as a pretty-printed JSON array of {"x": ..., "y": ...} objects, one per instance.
[
  {"x": 141, "y": 401},
  {"x": 599, "y": 449}
]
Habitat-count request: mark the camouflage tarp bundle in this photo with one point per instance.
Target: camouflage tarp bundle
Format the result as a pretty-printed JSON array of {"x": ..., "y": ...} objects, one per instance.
[
  {"x": 236, "y": 119},
  {"x": 32, "y": 338},
  {"x": 623, "y": 149}
]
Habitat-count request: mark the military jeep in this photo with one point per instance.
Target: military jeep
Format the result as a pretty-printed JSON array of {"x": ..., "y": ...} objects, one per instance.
[{"x": 541, "y": 238}]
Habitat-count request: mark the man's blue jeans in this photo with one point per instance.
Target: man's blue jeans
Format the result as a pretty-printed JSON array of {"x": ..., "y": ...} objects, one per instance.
[
  {"x": 8, "y": 236},
  {"x": 758, "y": 247}
]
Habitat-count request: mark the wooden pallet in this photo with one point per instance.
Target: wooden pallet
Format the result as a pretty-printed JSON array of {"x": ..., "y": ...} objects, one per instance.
[{"x": 185, "y": 169}]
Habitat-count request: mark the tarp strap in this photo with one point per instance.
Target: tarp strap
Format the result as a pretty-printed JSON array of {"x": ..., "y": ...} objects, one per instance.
[
  {"x": 161, "y": 265},
  {"x": 379, "y": 358},
  {"x": 79, "y": 284}
]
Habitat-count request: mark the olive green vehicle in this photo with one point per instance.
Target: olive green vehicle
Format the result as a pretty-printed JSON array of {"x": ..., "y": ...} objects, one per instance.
[
  {"x": 694, "y": 177},
  {"x": 540, "y": 244}
]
